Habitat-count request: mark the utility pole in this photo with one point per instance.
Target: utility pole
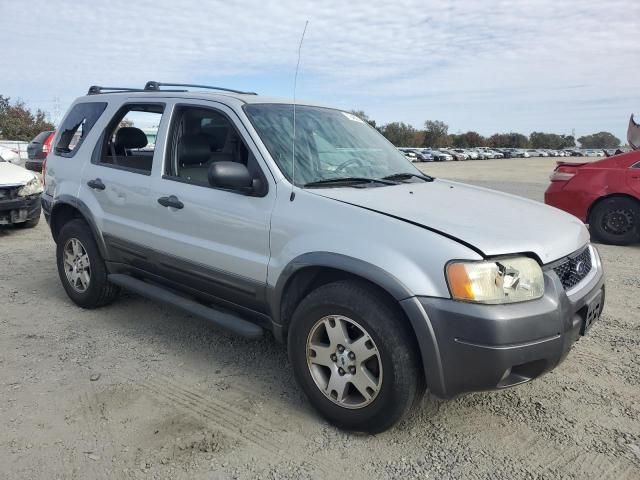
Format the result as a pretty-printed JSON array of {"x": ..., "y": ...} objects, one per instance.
[{"x": 56, "y": 110}]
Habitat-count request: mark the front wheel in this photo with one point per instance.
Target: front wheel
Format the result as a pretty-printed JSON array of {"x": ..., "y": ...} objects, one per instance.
[
  {"x": 354, "y": 356},
  {"x": 616, "y": 221}
]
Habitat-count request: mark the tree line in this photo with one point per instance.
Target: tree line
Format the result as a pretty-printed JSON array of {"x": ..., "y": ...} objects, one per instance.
[
  {"x": 17, "y": 122},
  {"x": 435, "y": 134}
]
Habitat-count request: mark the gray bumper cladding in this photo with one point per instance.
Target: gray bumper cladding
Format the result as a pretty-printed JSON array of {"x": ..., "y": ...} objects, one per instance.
[{"x": 470, "y": 347}]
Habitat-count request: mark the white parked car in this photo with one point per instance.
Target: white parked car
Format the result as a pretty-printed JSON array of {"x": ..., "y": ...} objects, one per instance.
[
  {"x": 20, "y": 191},
  {"x": 10, "y": 155}
]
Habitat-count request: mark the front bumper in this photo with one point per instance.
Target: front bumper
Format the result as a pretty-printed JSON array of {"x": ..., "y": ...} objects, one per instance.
[
  {"x": 19, "y": 210},
  {"x": 471, "y": 347}
]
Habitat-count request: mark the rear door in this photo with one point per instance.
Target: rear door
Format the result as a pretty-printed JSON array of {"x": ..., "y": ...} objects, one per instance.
[
  {"x": 217, "y": 241},
  {"x": 117, "y": 182}
]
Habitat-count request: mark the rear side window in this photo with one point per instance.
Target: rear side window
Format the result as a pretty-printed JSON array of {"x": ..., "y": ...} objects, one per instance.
[
  {"x": 130, "y": 138},
  {"x": 77, "y": 124}
]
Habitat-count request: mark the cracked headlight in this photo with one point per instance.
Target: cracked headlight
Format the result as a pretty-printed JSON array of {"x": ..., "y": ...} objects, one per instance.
[
  {"x": 33, "y": 187},
  {"x": 505, "y": 280}
]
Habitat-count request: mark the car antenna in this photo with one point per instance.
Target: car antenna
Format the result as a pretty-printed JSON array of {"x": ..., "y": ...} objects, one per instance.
[{"x": 295, "y": 84}]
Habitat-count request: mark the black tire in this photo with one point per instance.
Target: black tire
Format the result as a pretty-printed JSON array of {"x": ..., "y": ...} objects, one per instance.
[
  {"x": 99, "y": 291},
  {"x": 615, "y": 221},
  {"x": 402, "y": 382}
]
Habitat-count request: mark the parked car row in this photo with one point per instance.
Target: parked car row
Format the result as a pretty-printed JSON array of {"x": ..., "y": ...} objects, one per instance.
[{"x": 483, "y": 153}]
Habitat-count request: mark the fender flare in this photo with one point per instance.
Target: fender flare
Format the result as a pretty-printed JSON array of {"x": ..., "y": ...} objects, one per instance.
[
  {"x": 86, "y": 214},
  {"x": 417, "y": 316}
]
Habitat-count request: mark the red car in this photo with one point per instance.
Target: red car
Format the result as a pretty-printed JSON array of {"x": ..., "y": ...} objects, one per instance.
[{"x": 605, "y": 194}]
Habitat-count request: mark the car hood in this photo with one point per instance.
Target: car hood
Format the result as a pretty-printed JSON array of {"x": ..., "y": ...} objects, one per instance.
[
  {"x": 492, "y": 222},
  {"x": 11, "y": 174}
]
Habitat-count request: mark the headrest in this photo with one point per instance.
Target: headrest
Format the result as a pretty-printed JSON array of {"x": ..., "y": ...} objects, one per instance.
[
  {"x": 193, "y": 149},
  {"x": 130, "y": 137}
]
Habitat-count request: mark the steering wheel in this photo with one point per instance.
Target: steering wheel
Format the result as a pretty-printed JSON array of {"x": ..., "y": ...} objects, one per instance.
[{"x": 352, "y": 161}]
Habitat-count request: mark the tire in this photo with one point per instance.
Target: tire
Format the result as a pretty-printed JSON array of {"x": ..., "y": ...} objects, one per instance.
[
  {"x": 394, "y": 367},
  {"x": 97, "y": 291},
  {"x": 615, "y": 221},
  {"x": 32, "y": 222}
]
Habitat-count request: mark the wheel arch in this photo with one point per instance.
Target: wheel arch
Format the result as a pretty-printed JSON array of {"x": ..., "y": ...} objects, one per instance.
[
  {"x": 607, "y": 197},
  {"x": 311, "y": 270},
  {"x": 67, "y": 208}
]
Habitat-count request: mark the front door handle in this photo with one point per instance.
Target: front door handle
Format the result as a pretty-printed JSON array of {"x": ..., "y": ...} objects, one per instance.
[
  {"x": 96, "y": 184},
  {"x": 171, "y": 201}
]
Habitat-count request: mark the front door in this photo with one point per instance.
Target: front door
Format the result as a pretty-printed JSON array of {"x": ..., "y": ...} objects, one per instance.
[{"x": 212, "y": 240}]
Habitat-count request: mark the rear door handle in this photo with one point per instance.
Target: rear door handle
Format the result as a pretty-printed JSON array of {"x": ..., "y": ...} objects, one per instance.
[
  {"x": 96, "y": 184},
  {"x": 171, "y": 201}
]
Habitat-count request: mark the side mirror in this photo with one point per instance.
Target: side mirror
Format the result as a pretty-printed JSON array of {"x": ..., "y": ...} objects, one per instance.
[{"x": 230, "y": 175}]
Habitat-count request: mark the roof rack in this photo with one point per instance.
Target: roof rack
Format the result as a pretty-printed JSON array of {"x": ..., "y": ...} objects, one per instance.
[
  {"x": 96, "y": 89},
  {"x": 155, "y": 86}
]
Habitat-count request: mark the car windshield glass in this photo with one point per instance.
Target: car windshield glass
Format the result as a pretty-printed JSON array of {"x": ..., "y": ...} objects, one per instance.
[{"x": 330, "y": 144}]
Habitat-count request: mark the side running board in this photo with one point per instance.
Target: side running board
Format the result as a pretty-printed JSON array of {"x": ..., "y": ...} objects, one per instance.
[{"x": 223, "y": 319}]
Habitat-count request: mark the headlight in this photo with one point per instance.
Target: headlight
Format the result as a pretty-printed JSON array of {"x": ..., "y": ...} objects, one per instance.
[
  {"x": 33, "y": 187},
  {"x": 506, "y": 280}
]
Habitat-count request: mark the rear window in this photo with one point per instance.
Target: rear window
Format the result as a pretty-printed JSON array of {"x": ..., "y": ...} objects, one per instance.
[
  {"x": 41, "y": 137},
  {"x": 77, "y": 124}
]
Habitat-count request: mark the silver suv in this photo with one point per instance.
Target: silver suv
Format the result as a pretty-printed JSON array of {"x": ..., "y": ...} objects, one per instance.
[{"x": 258, "y": 214}]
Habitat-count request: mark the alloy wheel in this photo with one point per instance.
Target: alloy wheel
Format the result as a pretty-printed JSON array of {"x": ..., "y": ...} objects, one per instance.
[
  {"x": 76, "y": 265},
  {"x": 344, "y": 361}
]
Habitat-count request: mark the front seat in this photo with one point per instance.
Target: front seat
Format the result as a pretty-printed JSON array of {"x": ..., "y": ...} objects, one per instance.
[{"x": 195, "y": 156}]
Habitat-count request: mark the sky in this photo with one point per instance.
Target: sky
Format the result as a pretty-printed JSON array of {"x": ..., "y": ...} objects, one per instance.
[{"x": 558, "y": 66}]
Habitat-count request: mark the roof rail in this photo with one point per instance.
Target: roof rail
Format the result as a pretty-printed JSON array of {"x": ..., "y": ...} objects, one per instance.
[
  {"x": 96, "y": 89},
  {"x": 155, "y": 86}
]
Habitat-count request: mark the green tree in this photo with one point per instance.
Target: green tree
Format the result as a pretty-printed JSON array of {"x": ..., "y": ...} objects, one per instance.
[
  {"x": 599, "y": 140},
  {"x": 17, "y": 122},
  {"x": 467, "y": 140},
  {"x": 364, "y": 117},
  {"x": 436, "y": 134},
  {"x": 551, "y": 140},
  {"x": 401, "y": 134},
  {"x": 508, "y": 140}
]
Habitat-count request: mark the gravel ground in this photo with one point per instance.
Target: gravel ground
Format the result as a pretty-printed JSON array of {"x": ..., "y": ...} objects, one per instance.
[{"x": 136, "y": 390}]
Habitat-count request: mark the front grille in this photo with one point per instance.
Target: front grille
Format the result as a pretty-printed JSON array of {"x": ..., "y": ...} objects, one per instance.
[
  {"x": 573, "y": 269},
  {"x": 9, "y": 193}
]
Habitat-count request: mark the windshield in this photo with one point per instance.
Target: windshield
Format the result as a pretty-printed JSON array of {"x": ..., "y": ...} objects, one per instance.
[{"x": 329, "y": 144}]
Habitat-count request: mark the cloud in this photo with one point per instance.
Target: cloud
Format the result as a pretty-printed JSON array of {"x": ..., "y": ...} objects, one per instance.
[{"x": 482, "y": 65}]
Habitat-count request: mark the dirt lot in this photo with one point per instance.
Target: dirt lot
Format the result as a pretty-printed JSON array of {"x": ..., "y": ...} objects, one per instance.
[{"x": 136, "y": 390}]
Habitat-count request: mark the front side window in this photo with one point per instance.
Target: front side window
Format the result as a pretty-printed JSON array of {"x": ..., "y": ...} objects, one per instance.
[
  {"x": 77, "y": 124},
  {"x": 200, "y": 137},
  {"x": 329, "y": 144},
  {"x": 129, "y": 142}
]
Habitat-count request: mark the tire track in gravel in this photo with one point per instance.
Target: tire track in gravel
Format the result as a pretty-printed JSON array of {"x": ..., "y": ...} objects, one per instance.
[
  {"x": 539, "y": 453},
  {"x": 224, "y": 415},
  {"x": 90, "y": 415}
]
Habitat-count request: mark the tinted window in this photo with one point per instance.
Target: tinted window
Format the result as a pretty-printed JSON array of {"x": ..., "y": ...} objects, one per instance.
[
  {"x": 129, "y": 142},
  {"x": 41, "y": 137},
  {"x": 77, "y": 124}
]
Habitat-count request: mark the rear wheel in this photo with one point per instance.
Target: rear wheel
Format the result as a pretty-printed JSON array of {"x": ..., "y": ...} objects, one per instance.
[
  {"x": 616, "y": 221},
  {"x": 81, "y": 268},
  {"x": 354, "y": 356}
]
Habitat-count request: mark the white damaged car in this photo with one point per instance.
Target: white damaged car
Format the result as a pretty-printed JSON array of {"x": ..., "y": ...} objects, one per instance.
[{"x": 20, "y": 192}]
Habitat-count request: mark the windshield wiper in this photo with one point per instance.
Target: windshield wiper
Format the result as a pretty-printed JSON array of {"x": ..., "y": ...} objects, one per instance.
[
  {"x": 348, "y": 181},
  {"x": 403, "y": 176}
]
